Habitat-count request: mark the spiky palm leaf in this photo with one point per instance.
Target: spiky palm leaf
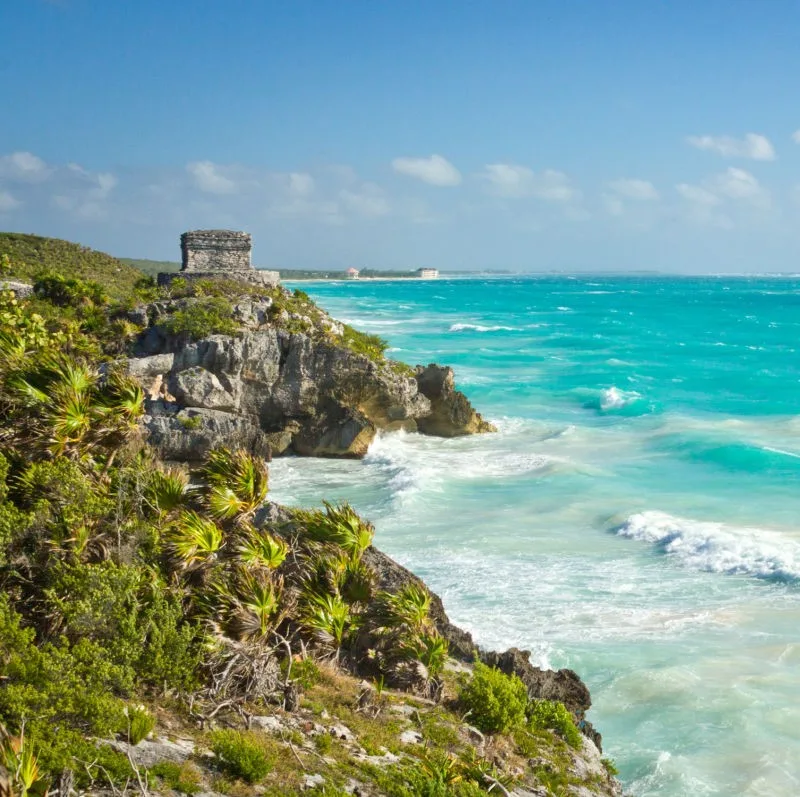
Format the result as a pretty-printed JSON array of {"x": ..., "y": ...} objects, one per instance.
[
  {"x": 167, "y": 488},
  {"x": 340, "y": 525},
  {"x": 223, "y": 503},
  {"x": 430, "y": 650},
  {"x": 328, "y": 618},
  {"x": 258, "y": 604},
  {"x": 359, "y": 583},
  {"x": 262, "y": 549},
  {"x": 196, "y": 539},
  {"x": 407, "y": 609},
  {"x": 239, "y": 470}
]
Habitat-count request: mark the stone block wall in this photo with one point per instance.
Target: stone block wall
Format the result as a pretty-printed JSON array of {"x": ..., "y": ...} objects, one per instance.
[{"x": 216, "y": 250}]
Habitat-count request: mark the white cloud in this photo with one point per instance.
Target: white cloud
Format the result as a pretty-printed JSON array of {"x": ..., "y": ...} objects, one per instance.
[
  {"x": 368, "y": 201},
  {"x": 514, "y": 181},
  {"x": 739, "y": 184},
  {"x": 697, "y": 195},
  {"x": 710, "y": 202},
  {"x": 434, "y": 170},
  {"x": 208, "y": 177},
  {"x": 8, "y": 202},
  {"x": 24, "y": 166},
  {"x": 796, "y": 136},
  {"x": 613, "y": 205},
  {"x": 301, "y": 184},
  {"x": 753, "y": 146},
  {"x": 634, "y": 189}
]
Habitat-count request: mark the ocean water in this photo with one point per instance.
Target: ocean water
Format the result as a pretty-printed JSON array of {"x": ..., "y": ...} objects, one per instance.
[{"x": 636, "y": 518}]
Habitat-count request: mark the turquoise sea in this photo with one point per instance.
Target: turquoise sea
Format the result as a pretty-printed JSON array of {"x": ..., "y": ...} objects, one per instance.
[{"x": 636, "y": 518}]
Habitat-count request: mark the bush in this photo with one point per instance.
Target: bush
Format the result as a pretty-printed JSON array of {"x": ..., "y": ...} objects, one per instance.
[
  {"x": 210, "y": 315},
  {"x": 240, "y": 755},
  {"x": 133, "y": 614},
  {"x": 183, "y": 778},
  {"x": 372, "y": 346},
  {"x": 140, "y": 723},
  {"x": 551, "y": 715},
  {"x": 495, "y": 701}
]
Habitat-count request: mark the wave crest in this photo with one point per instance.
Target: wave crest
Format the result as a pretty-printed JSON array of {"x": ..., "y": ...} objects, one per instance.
[
  {"x": 717, "y": 548},
  {"x": 479, "y": 328}
]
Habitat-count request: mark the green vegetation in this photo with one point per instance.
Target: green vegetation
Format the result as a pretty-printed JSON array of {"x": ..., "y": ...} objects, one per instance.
[
  {"x": 31, "y": 255},
  {"x": 240, "y": 755},
  {"x": 551, "y": 715},
  {"x": 136, "y": 598},
  {"x": 496, "y": 702},
  {"x": 183, "y": 778},
  {"x": 152, "y": 267},
  {"x": 208, "y": 316}
]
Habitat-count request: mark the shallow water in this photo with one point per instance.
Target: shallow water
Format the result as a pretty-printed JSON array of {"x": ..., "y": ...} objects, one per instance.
[{"x": 637, "y": 518}]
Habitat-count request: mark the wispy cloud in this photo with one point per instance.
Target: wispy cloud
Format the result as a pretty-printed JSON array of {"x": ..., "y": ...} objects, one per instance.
[
  {"x": 24, "y": 167},
  {"x": 516, "y": 182},
  {"x": 796, "y": 136},
  {"x": 8, "y": 202},
  {"x": 710, "y": 202},
  {"x": 634, "y": 189},
  {"x": 434, "y": 170},
  {"x": 209, "y": 177},
  {"x": 753, "y": 146}
]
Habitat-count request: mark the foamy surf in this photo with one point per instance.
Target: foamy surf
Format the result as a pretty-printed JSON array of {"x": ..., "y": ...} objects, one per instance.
[
  {"x": 461, "y": 327},
  {"x": 716, "y": 547}
]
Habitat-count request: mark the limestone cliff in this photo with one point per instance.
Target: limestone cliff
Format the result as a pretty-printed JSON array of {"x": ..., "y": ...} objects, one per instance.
[{"x": 283, "y": 384}]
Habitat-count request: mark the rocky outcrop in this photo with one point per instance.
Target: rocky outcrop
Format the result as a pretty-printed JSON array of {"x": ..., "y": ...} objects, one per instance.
[
  {"x": 451, "y": 413},
  {"x": 563, "y": 685},
  {"x": 284, "y": 391}
]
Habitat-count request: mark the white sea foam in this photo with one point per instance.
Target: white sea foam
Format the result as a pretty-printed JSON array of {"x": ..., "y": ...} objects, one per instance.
[
  {"x": 716, "y": 547},
  {"x": 615, "y": 399},
  {"x": 480, "y": 328}
]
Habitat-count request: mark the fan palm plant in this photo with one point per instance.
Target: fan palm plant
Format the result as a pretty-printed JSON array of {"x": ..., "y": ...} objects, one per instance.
[
  {"x": 257, "y": 606},
  {"x": 340, "y": 525},
  {"x": 167, "y": 489},
  {"x": 328, "y": 618},
  {"x": 196, "y": 540},
  {"x": 20, "y": 775},
  {"x": 406, "y": 610},
  {"x": 262, "y": 549},
  {"x": 238, "y": 483}
]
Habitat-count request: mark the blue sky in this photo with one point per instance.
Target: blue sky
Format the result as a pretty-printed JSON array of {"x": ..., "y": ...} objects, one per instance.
[{"x": 535, "y": 135}]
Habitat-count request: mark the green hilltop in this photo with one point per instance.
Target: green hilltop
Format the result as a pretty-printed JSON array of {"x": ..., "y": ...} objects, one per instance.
[{"x": 32, "y": 255}]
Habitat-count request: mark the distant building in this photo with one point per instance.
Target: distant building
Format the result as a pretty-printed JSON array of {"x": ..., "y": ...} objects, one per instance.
[
  {"x": 427, "y": 273},
  {"x": 352, "y": 273}
]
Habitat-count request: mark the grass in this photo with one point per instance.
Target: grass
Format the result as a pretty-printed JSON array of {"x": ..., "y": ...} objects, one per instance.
[{"x": 31, "y": 255}]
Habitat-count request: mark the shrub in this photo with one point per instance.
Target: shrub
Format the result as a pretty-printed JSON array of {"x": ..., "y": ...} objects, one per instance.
[
  {"x": 240, "y": 755},
  {"x": 209, "y": 315},
  {"x": 69, "y": 291},
  {"x": 372, "y": 346},
  {"x": 183, "y": 778},
  {"x": 305, "y": 672},
  {"x": 495, "y": 701},
  {"x": 552, "y": 715},
  {"x": 140, "y": 723}
]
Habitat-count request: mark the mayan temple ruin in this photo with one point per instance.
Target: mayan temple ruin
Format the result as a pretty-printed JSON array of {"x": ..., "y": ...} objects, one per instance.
[{"x": 210, "y": 254}]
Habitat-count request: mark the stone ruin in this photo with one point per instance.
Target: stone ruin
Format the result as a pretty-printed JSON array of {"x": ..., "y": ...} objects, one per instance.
[{"x": 218, "y": 254}]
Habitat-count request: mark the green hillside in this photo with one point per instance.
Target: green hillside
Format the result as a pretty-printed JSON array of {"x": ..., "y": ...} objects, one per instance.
[
  {"x": 32, "y": 254},
  {"x": 152, "y": 267}
]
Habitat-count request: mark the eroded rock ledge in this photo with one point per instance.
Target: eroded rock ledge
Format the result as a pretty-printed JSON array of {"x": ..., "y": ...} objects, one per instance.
[{"x": 276, "y": 391}]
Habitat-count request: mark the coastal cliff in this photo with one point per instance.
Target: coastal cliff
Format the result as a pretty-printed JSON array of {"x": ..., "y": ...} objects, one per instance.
[
  {"x": 165, "y": 627},
  {"x": 284, "y": 381}
]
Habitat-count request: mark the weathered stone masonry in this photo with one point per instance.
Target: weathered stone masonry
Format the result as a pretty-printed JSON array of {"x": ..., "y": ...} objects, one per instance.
[
  {"x": 209, "y": 254},
  {"x": 216, "y": 250}
]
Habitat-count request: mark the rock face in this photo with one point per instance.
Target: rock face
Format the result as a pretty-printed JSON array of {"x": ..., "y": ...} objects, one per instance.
[
  {"x": 451, "y": 413},
  {"x": 283, "y": 392},
  {"x": 562, "y": 685},
  {"x": 21, "y": 289}
]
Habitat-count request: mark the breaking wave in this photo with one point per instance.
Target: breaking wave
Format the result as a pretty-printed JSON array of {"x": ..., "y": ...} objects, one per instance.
[
  {"x": 717, "y": 548},
  {"x": 480, "y": 328}
]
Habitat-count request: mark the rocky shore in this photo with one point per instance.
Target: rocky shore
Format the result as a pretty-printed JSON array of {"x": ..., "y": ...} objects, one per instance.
[{"x": 283, "y": 384}]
